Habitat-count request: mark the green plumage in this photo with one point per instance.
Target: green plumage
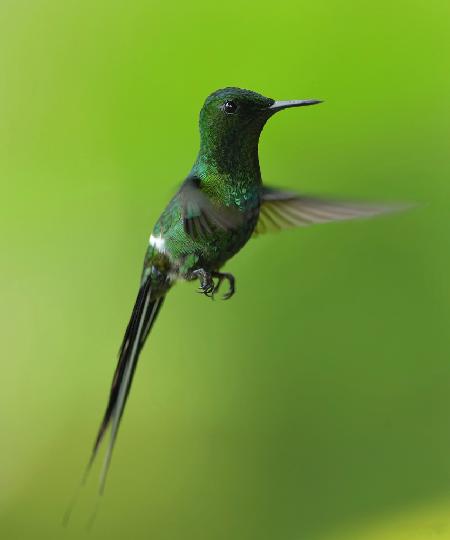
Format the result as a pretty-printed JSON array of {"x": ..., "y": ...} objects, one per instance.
[
  {"x": 218, "y": 207},
  {"x": 227, "y": 173}
]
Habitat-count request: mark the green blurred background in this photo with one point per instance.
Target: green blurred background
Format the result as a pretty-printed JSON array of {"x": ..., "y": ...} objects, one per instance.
[{"x": 315, "y": 404}]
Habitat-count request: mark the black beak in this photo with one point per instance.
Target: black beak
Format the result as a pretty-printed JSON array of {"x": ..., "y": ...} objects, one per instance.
[{"x": 280, "y": 105}]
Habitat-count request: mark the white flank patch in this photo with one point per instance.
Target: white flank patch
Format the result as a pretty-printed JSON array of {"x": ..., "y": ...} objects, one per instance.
[{"x": 157, "y": 242}]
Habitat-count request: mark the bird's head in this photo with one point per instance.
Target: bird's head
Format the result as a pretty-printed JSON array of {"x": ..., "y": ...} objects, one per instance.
[{"x": 231, "y": 121}]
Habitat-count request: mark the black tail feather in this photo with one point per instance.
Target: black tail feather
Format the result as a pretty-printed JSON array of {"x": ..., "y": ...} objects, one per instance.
[{"x": 142, "y": 318}]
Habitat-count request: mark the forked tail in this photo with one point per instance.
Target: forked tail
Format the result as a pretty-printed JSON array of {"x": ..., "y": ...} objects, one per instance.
[{"x": 145, "y": 311}]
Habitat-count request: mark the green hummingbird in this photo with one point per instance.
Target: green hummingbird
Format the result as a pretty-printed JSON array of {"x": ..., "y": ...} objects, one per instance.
[{"x": 218, "y": 207}]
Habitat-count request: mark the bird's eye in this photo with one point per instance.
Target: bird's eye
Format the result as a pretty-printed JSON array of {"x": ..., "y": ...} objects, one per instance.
[{"x": 229, "y": 107}]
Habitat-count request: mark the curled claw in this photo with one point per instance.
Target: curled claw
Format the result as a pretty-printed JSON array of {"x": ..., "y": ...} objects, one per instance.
[
  {"x": 219, "y": 282},
  {"x": 228, "y": 294},
  {"x": 207, "y": 291},
  {"x": 207, "y": 286},
  {"x": 231, "y": 284}
]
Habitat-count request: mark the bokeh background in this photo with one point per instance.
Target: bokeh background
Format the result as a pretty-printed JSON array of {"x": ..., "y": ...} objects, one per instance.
[{"x": 315, "y": 404}]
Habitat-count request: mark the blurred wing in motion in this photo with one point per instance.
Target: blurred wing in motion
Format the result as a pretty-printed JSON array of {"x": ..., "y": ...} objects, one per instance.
[
  {"x": 201, "y": 215},
  {"x": 285, "y": 209}
]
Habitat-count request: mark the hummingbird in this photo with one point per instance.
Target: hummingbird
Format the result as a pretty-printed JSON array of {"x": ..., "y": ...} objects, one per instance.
[{"x": 220, "y": 205}]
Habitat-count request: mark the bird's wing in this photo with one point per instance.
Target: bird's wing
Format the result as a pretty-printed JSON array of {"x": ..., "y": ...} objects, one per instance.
[
  {"x": 201, "y": 215},
  {"x": 284, "y": 209}
]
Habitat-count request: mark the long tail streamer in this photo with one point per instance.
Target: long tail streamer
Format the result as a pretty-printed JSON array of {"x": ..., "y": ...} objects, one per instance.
[{"x": 142, "y": 318}]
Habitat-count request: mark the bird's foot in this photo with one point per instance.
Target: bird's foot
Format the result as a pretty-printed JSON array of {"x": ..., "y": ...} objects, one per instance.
[
  {"x": 207, "y": 286},
  {"x": 231, "y": 284}
]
